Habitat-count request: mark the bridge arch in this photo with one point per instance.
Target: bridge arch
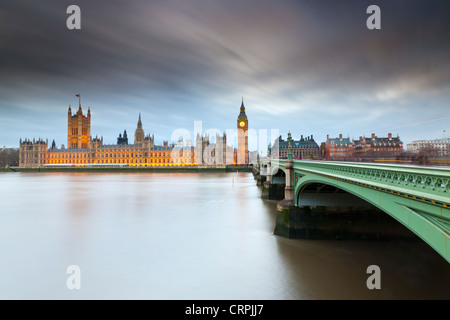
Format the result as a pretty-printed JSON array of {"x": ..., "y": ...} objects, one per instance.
[
  {"x": 417, "y": 197},
  {"x": 316, "y": 193},
  {"x": 274, "y": 170},
  {"x": 307, "y": 182},
  {"x": 418, "y": 220},
  {"x": 277, "y": 175}
]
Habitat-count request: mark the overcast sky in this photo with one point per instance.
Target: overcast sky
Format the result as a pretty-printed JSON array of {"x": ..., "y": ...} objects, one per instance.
[{"x": 309, "y": 67}]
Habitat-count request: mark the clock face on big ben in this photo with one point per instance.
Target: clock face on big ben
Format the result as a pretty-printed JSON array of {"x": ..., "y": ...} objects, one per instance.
[{"x": 242, "y": 124}]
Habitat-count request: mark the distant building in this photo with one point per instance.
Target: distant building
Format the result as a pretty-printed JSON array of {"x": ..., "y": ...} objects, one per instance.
[
  {"x": 83, "y": 149},
  {"x": 339, "y": 148},
  {"x": 364, "y": 148},
  {"x": 304, "y": 148},
  {"x": 33, "y": 153},
  {"x": 376, "y": 147},
  {"x": 217, "y": 153},
  {"x": 433, "y": 148}
]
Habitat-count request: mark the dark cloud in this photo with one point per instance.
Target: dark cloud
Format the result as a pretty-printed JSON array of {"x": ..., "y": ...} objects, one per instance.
[{"x": 180, "y": 61}]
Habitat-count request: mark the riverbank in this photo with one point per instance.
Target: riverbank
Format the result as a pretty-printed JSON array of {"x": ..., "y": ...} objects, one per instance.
[{"x": 130, "y": 169}]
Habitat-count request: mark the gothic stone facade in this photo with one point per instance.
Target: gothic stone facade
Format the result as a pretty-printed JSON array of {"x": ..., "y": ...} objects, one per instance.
[{"x": 84, "y": 150}]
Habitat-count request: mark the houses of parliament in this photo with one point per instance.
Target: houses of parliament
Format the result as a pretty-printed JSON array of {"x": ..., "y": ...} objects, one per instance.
[{"x": 84, "y": 150}]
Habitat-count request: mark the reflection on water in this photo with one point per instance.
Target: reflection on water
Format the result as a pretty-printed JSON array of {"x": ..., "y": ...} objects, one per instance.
[{"x": 184, "y": 236}]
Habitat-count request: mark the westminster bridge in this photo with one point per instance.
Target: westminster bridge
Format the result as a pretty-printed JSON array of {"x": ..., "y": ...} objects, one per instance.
[{"x": 417, "y": 197}]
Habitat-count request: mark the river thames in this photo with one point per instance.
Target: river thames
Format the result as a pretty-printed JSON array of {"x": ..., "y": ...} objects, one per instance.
[{"x": 185, "y": 236}]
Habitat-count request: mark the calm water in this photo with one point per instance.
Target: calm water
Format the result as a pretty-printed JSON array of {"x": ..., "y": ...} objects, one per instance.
[{"x": 184, "y": 236}]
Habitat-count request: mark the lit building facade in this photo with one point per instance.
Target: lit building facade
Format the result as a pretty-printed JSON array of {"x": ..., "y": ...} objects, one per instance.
[
  {"x": 83, "y": 150},
  {"x": 79, "y": 129}
]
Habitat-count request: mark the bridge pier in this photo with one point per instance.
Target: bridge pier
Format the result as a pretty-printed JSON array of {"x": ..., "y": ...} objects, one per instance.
[
  {"x": 267, "y": 185},
  {"x": 272, "y": 191},
  {"x": 289, "y": 190},
  {"x": 339, "y": 223},
  {"x": 260, "y": 180},
  {"x": 272, "y": 188}
]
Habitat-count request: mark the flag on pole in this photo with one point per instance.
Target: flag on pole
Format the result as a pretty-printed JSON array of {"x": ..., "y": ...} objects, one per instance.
[{"x": 78, "y": 95}]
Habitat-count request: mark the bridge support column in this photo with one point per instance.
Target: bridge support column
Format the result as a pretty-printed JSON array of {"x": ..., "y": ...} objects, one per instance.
[
  {"x": 287, "y": 205},
  {"x": 289, "y": 192},
  {"x": 269, "y": 172},
  {"x": 268, "y": 181},
  {"x": 269, "y": 190}
]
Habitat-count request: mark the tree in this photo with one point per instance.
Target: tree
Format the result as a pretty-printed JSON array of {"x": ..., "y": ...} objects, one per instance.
[{"x": 9, "y": 157}]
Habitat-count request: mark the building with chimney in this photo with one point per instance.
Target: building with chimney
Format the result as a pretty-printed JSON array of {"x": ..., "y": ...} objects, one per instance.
[
  {"x": 376, "y": 147},
  {"x": 303, "y": 148},
  {"x": 339, "y": 148}
]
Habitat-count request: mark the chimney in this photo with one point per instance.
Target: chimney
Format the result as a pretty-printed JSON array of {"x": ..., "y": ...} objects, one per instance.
[
  {"x": 340, "y": 136},
  {"x": 373, "y": 136},
  {"x": 390, "y": 136},
  {"x": 328, "y": 137}
]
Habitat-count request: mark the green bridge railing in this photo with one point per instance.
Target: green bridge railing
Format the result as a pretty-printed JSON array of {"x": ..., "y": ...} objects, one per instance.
[
  {"x": 432, "y": 183},
  {"x": 418, "y": 197}
]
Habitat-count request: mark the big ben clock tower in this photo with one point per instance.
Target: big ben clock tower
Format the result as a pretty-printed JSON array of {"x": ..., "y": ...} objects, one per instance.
[{"x": 242, "y": 128}]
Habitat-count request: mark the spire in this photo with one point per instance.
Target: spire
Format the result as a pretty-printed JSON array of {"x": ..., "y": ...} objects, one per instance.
[
  {"x": 139, "y": 122},
  {"x": 242, "y": 112},
  {"x": 139, "y": 134}
]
